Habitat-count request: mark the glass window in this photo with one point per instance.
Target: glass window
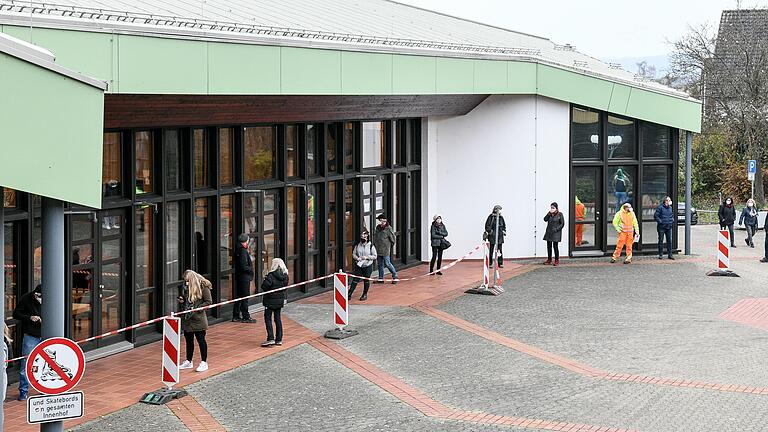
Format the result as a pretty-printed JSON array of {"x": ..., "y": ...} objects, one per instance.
[
  {"x": 621, "y": 189},
  {"x": 621, "y": 138},
  {"x": 37, "y": 253},
  {"x": 313, "y": 217},
  {"x": 173, "y": 163},
  {"x": 226, "y": 152},
  {"x": 10, "y": 269},
  {"x": 373, "y": 144},
  {"x": 291, "y": 148},
  {"x": 585, "y": 134},
  {"x": 349, "y": 233},
  {"x": 398, "y": 131},
  {"x": 332, "y": 215},
  {"x": 331, "y": 146},
  {"x": 260, "y": 152},
  {"x": 226, "y": 245},
  {"x": 314, "y": 155},
  {"x": 202, "y": 237},
  {"x": 349, "y": 145},
  {"x": 144, "y": 157},
  {"x": 292, "y": 210},
  {"x": 174, "y": 246},
  {"x": 9, "y": 198},
  {"x": 656, "y": 140},
  {"x": 111, "y": 172},
  {"x": 656, "y": 186},
  {"x": 200, "y": 141},
  {"x": 145, "y": 232},
  {"x": 414, "y": 140}
]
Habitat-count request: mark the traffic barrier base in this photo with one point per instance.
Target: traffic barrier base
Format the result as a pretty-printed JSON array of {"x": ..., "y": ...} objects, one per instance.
[
  {"x": 488, "y": 288},
  {"x": 340, "y": 308},
  {"x": 723, "y": 256},
  {"x": 162, "y": 396}
]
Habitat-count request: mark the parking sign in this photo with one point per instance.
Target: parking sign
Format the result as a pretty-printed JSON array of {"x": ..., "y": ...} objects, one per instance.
[{"x": 751, "y": 166}]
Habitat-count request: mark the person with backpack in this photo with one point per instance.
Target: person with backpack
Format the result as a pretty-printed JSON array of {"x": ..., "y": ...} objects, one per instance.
[
  {"x": 363, "y": 257},
  {"x": 554, "y": 233},
  {"x": 749, "y": 219},
  {"x": 437, "y": 235},
  {"x": 665, "y": 220},
  {"x": 274, "y": 300},
  {"x": 726, "y": 214},
  {"x": 197, "y": 294}
]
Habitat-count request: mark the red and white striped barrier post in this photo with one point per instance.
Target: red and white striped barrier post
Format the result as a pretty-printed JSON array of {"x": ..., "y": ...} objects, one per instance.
[
  {"x": 340, "y": 308},
  {"x": 171, "y": 346},
  {"x": 488, "y": 287},
  {"x": 723, "y": 255}
]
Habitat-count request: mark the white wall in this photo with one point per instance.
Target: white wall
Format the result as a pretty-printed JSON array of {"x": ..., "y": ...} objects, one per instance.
[{"x": 510, "y": 150}]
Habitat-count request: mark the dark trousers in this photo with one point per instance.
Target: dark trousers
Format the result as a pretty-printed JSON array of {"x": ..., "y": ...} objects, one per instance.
[
  {"x": 730, "y": 230},
  {"x": 190, "y": 338},
  {"x": 437, "y": 253},
  {"x": 665, "y": 232},
  {"x": 277, "y": 334},
  {"x": 240, "y": 309},
  {"x": 360, "y": 271},
  {"x": 766, "y": 244},
  {"x": 556, "y": 247},
  {"x": 751, "y": 230},
  {"x": 490, "y": 254}
]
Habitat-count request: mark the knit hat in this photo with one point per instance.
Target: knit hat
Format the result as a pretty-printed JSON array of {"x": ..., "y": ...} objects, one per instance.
[
  {"x": 435, "y": 217},
  {"x": 38, "y": 289},
  {"x": 496, "y": 208},
  {"x": 554, "y": 204},
  {"x": 242, "y": 238},
  {"x": 380, "y": 217}
]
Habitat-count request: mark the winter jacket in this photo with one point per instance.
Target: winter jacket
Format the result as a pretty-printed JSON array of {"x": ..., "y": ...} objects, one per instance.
[
  {"x": 364, "y": 250},
  {"x": 384, "y": 239},
  {"x": 196, "y": 321},
  {"x": 490, "y": 228},
  {"x": 726, "y": 215},
  {"x": 28, "y": 307},
  {"x": 749, "y": 217},
  {"x": 555, "y": 223},
  {"x": 437, "y": 233},
  {"x": 625, "y": 221},
  {"x": 274, "y": 280},
  {"x": 243, "y": 264},
  {"x": 664, "y": 216}
]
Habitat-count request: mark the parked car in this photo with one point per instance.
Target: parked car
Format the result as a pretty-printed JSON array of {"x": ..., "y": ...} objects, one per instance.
[
  {"x": 760, "y": 220},
  {"x": 681, "y": 214}
]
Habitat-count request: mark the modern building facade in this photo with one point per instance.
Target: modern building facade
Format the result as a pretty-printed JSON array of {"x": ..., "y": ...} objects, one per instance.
[{"x": 299, "y": 122}]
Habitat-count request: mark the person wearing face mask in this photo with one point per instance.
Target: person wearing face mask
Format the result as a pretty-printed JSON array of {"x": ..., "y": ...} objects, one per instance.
[
  {"x": 495, "y": 230},
  {"x": 28, "y": 313},
  {"x": 749, "y": 219},
  {"x": 727, "y": 216},
  {"x": 363, "y": 255},
  {"x": 665, "y": 220},
  {"x": 625, "y": 223},
  {"x": 384, "y": 240},
  {"x": 554, "y": 232},
  {"x": 437, "y": 235},
  {"x": 243, "y": 277}
]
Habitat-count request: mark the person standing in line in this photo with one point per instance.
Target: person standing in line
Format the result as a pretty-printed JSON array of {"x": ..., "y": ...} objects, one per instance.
[
  {"x": 554, "y": 233},
  {"x": 437, "y": 235},
  {"x": 243, "y": 279},
  {"x": 274, "y": 301},
  {"x": 363, "y": 255},
  {"x": 197, "y": 293},
  {"x": 665, "y": 220},
  {"x": 496, "y": 238},
  {"x": 384, "y": 241},
  {"x": 625, "y": 223},
  {"x": 764, "y": 259},
  {"x": 749, "y": 219},
  {"x": 28, "y": 312},
  {"x": 726, "y": 214}
]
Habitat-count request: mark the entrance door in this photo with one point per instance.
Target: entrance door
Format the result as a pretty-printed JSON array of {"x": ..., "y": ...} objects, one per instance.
[
  {"x": 260, "y": 221},
  {"x": 586, "y": 215},
  {"x": 98, "y": 274}
]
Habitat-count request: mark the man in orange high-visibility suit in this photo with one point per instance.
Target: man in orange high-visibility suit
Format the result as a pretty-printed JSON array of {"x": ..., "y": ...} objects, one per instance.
[
  {"x": 581, "y": 211},
  {"x": 626, "y": 225}
]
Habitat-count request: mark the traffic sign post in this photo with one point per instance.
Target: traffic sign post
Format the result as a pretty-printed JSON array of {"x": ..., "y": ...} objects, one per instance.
[{"x": 751, "y": 171}]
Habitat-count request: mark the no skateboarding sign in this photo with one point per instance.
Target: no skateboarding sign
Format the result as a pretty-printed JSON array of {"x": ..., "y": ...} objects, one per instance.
[{"x": 55, "y": 366}]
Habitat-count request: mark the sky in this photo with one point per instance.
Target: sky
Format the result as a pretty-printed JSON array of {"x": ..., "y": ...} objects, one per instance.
[{"x": 609, "y": 30}]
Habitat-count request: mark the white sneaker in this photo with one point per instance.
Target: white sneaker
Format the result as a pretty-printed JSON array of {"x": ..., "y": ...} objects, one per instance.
[
  {"x": 202, "y": 367},
  {"x": 186, "y": 365}
]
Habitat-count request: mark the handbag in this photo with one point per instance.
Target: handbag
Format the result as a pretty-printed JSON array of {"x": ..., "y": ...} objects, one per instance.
[{"x": 444, "y": 244}]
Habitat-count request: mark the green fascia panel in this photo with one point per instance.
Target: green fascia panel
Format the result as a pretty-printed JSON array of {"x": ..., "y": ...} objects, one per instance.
[
  {"x": 619, "y": 99},
  {"x": 162, "y": 65},
  {"x": 573, "y": 87},
  {"x": 413, "y": 74},
  {"x": 51, "y": 133},
  {"x": 490, "y": 76},
  {"x": 455, "y": 76},
  {"x": 521, "y": 77},
  {"x": 666, "y": 110},
  {"x": 310, "y": 71},
  {"x": 366, "y": 73},
  {"x": 243, "y": 69}
]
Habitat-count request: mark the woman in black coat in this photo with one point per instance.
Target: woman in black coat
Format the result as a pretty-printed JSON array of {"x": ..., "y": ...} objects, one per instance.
[
  {"x": 273, "y": 301},
  {"x": 554, "y": 233},
  {"x": 727, "y": 216},
  {"x": 437, "y": 235}
]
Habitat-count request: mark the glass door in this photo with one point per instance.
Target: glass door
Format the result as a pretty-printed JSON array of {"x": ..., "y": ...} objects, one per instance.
[
  {"x": 586, "y": 217},
  {"x": 260, "y": 221}
]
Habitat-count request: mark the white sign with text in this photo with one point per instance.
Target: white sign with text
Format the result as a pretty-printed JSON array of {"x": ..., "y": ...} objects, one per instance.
[{"x": 48, "y": 408}]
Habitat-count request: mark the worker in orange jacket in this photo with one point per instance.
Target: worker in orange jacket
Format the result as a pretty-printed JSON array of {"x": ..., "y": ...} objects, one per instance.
[
  {"x": 626, "y": 225},
  {"x": 581, "y": 211}
]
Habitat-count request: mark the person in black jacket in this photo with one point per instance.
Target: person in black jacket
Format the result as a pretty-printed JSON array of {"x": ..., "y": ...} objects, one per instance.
[
  {"x": 727, "y": 216},
  {"x": 764, "y": 259},
  {"x": 273, "y": 301},
  {"x": 437, "y": 235},
  {"x": 749, "y": 219},
  {"x": 28, "y": 313},
  {"x": 243, "y": 278},
  {"x": 665, "y": 221},
  {"x": 496, "y": 239},
  {"x": 554, "y": 233}
]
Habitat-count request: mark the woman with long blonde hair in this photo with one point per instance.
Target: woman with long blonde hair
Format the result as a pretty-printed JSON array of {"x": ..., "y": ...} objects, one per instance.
[
  {"x": 276, "y": 278},
  {"x": 197, "y": 293}
]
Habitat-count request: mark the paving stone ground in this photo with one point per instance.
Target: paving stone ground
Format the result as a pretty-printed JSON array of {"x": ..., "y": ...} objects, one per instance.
[{"x": 136, "y": 418}]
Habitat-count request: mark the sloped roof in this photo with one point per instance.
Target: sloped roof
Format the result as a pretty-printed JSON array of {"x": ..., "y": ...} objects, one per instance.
[
  {"x": 364, "y": 25},
  {"x": 742, "y": 43}
]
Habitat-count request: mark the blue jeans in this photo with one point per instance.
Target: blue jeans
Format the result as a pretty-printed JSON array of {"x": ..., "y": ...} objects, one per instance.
[
  {"x": 27, "y": 344},
  {"x": 385, "y": 260},
  {"x": 665, "y": 232}
]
